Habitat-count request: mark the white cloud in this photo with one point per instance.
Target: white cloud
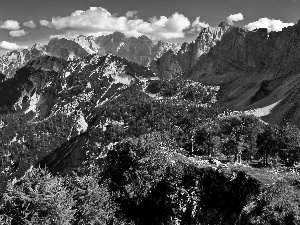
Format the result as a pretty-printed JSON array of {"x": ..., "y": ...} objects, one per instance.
[
  {"x": 98, "y": 21},
  {"x": 17, "y": 33},
  {"x": 10, "y": 25},
  {"x": 131, "y": 14},
  {"x": 197, "y": 25},
  {"x": 31, "y": 24},
  {"x": 11, "y": 46},
  {"x": 44, "y": 23},
  {"x": 270, "y": 24},
  {"x": 234, "y": 18}
]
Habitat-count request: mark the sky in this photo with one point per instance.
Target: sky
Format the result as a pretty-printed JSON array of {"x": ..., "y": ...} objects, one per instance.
[{"x": 25, "y": 22}]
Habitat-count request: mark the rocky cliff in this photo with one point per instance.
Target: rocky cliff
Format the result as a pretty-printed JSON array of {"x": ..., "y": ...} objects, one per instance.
[
  {"x": 256, "y": 70},
  {"x": 189, "y": 53},
  {"x": 172, "y": 63},
  {"x": 167, "y": 66},
  {"x": 140, "y": 50},
  {"x": 66, "y": 49}
]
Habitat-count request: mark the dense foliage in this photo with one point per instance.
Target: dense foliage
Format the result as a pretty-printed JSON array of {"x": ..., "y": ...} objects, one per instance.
[{"x": 150, "y": 158}]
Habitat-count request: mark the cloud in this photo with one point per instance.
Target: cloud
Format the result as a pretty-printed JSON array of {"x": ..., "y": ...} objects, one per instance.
[
  {"x": 270, "y": 24},
  {"x": 17, "y": 33},
  {"x": 31, "y": 24},
  {"x": 98, "y": 21},
  {"x": 44, "y": 23},
  {"x": 11, "y": 46},
  {"x": 10, "y": 25},
  {"x": 131, "y": 14},
  {"x": 197, "y": 25},
  {"x": 234, "y": 18}
]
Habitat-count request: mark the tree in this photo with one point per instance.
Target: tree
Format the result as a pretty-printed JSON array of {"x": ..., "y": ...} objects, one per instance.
[
  {"x": 268, "y": 143},
  {"x": 290, "y": 138},
  {"x": 38, "y": 198},
  {"x": 205, "y": 135},
  {"x": 242, "y": 131}
]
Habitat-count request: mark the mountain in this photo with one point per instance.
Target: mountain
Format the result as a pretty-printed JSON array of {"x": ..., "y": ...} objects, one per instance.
[
  {"x": 12, "y": 61},
  {"x": 88, "y": 43},
  {"x": 167, "y": 66},
  {"x": 256, "y": 70},
  {"x": 81, "y": 96},
  {"x": 140, "y": 50},
  {"x": 50, "y": 92},
  {"x": 189, "y": 53},
  {"x": 144, "y": 145},
  {"x": 66, "y": 49},
  {"x": 173, "y": 63}
]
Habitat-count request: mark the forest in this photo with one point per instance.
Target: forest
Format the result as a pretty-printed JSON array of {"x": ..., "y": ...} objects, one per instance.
[{"x": 180, "y": 158}]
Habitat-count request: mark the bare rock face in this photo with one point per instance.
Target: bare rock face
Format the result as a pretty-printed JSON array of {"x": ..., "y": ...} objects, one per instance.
[
  {"x": 12, "y": 61},
  {"x": 167, "y": 66},
  {"x": 189, "y": 53},
  {"x": 66, "y": 49},
  {"x": 184, "y": 55},
  {"x": 255, "y": 70},
  {"x": 110, "y": 43},
  {"x": 141, "y": 50},
  {"x": 88, "y": 43},
  {"x": 208, "y": 37}
]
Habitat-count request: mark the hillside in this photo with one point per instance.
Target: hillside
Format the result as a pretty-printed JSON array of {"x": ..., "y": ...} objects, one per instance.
[
  {"x": 255, "y": 69},
  {"x": 115, "y": 130}
]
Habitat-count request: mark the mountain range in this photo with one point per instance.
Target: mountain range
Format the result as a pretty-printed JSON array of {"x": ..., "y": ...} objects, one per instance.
[
  {"x": 256, "y": 70},
  {"x": 140, "y": 50},
  {"x": 73, "y": 79},
  {"x": 135, "y": 111}
]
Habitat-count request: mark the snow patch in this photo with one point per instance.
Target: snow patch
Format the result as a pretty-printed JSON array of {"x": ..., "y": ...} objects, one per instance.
[
  {"x": 81, "y": 124},
  {"x": 264, "y": 111}
]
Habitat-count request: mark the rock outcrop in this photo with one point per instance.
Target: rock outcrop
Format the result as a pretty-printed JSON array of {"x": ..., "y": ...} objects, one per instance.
[
  {"x": 88, "y": 43},
  {"x": 189, "y": 53},
  {"x": 140, "y": 50},
  {"x": 167, "y": 66},
  {"x": 12, "y": 61},
  {"x": 66, "y": 49}
]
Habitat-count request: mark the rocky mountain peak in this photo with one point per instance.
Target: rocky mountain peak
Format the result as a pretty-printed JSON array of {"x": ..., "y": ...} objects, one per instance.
[
  {"x": 167, "y": 66},
  {"x": 141, "y": 50},
  {"x": 117, "y": 36},
  {"x": 257, "y": 69},
  {"x": 144, "y": 39},
  {"x": 65, "y": 48},
  {"x": 38, "y": 46},
  {"x": 88, "y": 43},
  {"x": 224, "y": 25},
  {"x": 189, "y": 53}
]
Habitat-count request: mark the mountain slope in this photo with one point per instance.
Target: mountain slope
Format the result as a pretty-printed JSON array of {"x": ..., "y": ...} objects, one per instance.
[
  {"x": 140, "y": 50},
  {"x": 255, "y": 69},
  {"x": 189, "y": 53},
  {"x": 66, "y": 49}
]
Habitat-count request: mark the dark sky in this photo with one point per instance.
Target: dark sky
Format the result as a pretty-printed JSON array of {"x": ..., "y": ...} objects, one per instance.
[{"x": 210, "y": 11}]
